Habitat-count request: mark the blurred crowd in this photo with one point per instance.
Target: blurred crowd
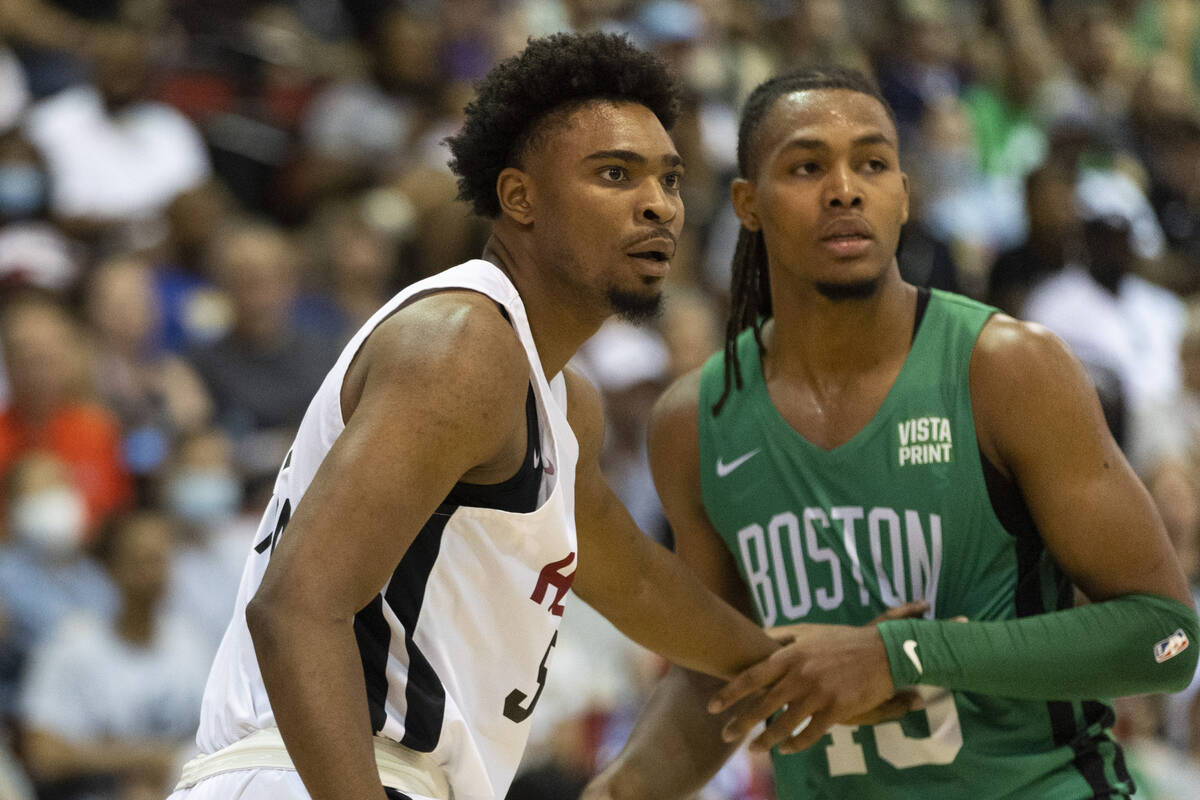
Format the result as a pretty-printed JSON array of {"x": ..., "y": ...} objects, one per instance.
[{"x": 200, "y": 201}]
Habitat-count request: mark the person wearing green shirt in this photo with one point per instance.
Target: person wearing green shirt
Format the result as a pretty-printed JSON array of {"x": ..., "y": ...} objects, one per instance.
[{"x": 861, "y": 444}]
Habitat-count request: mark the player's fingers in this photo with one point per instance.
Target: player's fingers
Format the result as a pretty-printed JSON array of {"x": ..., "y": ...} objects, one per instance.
[
  {"x": 893, "y": 708},
  {"x": 903, "y": 611},
  {"x": 752, "y": 712},
  {"x": 751, "y": 680},
  {"x": 817, "y": 727},
  {"x": 790, "y": 721},
  {"x": 784, "y": 634}
]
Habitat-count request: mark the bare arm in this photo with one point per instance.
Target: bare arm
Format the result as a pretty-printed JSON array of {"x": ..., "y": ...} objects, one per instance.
[
  {"x": 676, "y": 746},
  {"x": 1038, "y": 419},
  {"x": 437, "y": 391},
  {"x": 643, "y": 589}
]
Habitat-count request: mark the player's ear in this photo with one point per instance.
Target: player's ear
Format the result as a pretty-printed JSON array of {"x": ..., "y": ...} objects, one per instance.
[
  {"x": 515, "y": 192},
  {"x": 741, "y": 193},
  {"x": 904, "y": 213}
]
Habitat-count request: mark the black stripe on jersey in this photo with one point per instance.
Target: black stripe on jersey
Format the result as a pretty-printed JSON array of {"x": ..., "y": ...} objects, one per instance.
[
  {"x": 1088, "y": 759},
  {"x": 423, "y": 692},
  {"x": 1122, "y": 770},
  {"x": 393, "y": 794},
  {"x": 374, "y": 637}
]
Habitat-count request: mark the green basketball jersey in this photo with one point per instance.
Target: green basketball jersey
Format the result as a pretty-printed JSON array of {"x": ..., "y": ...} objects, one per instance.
[{"x": 900, "y": 512}]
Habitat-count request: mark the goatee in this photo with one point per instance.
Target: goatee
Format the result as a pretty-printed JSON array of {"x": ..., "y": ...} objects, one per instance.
[{"x": 635, "y": 308}]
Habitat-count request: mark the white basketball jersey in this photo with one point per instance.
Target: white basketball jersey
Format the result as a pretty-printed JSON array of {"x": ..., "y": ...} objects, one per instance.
[{"x": 456, "y": 645}]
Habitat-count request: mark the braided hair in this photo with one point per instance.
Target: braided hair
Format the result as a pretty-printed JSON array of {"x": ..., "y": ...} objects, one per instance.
[{"x": 750, "y": 284}]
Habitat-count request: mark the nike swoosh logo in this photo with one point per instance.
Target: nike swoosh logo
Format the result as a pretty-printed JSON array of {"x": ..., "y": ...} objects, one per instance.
[
  {"x": 724, "y": 469},
  {"x": 910, "y": 650}
]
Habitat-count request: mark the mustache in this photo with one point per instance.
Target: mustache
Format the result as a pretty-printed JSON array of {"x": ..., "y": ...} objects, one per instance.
[{"x": 656, "y": 237}]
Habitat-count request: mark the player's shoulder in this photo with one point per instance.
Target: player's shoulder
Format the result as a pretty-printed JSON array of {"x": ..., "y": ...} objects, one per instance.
[
  {"x": 1011, "y": 353},
  {"x": 1023, "y": 379},
  {"x": 456, "y": 344}
]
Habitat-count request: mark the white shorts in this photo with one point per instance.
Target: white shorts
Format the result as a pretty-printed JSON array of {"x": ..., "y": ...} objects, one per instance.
[{"x": 260, "y": 784}]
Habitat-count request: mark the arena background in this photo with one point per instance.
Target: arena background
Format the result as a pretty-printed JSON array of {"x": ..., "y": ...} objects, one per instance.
[{"x": 201, "y": 199}]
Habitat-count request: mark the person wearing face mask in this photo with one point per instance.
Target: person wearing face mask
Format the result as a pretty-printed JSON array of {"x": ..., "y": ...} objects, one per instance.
[
  {"x": 50, "y": 407},
  {"x": 202, "y": 492},
  {"x": 32, "y": 250},
  {"x": 44, "y": 573},
  {"x": 107, "y": 705}
]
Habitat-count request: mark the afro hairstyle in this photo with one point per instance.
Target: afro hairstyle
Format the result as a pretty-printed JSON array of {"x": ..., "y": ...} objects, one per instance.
[{"x": 552, "y": 74}]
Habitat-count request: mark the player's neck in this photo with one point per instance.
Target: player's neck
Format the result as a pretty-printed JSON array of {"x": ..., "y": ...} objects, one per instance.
[
  {"x": 815, "y": 338},
  {"x": 559, "y": 328}
]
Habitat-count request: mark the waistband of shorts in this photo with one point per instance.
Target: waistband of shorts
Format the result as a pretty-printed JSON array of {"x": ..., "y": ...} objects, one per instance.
[{"x": 399, "y": 767}]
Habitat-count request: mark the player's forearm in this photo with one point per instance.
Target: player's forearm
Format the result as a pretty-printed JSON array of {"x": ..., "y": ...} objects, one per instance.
[
  {"x": 1128, "y": 645},
  {"x": 675, "y": 747},
  {"x": 314, "y": 680},
  {"x": 661, "y": 604}
]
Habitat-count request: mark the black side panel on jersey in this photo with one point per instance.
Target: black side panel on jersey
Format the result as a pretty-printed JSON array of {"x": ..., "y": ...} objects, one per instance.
[{"x": 1010, "y": 508}]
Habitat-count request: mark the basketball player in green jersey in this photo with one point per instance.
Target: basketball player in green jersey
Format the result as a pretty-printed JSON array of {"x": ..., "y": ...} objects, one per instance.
[{"x": 860, "y": 444}]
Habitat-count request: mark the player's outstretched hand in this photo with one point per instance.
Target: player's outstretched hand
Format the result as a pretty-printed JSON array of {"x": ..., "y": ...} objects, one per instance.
[{"x": 825, "y": 675}]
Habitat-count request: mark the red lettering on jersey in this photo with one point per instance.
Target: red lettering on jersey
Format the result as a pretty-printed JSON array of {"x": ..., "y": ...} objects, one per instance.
[{"x": 550, "y": 576}]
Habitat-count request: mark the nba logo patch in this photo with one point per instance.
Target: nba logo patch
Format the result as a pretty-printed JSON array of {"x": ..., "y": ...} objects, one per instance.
[{"x": 1171, "y": 646}]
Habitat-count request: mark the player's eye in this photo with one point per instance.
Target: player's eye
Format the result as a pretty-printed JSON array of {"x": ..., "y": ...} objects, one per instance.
[
  {"x": 876, "y": 165},
  {"x": 672, "y": 180},
  {"x": 613, "y": 174},
  {"x": 807, "y": 168}
]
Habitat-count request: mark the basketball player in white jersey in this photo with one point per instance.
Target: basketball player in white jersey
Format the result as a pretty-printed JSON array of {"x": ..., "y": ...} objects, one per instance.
[{"x": 400, "y": 603}]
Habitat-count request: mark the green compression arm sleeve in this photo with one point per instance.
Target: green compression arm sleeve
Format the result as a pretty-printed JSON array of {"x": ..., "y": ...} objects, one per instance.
[{"x": 1130, "y": 645}]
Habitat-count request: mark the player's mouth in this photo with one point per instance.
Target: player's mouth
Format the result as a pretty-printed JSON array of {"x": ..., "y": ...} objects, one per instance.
[
  {"x": 847, "y": 237},
  {"x": 655, "y": 255}
]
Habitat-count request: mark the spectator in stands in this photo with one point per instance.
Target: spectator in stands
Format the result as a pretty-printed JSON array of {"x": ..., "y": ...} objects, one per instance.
[
  {"x": 358, "y": 128},
  {"x": 155, "y": 395},
  {"x": 109, "y": 705},
  {"x": 1118, "y": 323},
  {"x": 50, "y": 406},
  {"x": 355, "y": 247},
  {"x": 263, "y": 372},
  {"x": 116, "y": 158},
  {"x": 1053, "y": 238},
  {"x": 32, "y": 251},
  {"x": 45, "y": 575},
  {"x": 203, "y": 494}
]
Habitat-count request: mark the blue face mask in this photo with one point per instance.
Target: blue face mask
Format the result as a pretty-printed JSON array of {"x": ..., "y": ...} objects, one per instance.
[
  {"x": 22, "y": 191},
  {"x": 204, "y": 496}
]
